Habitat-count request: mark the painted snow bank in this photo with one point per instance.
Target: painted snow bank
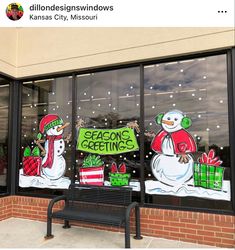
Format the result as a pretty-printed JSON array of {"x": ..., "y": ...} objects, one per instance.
[
  {"x": 187, "y": 189},
  {"x": 42, "y": 182}
]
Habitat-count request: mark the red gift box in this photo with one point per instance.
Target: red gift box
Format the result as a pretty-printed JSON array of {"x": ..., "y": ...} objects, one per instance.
[
  {"x": 32, "y": 165},
  {"x": 32, "y": 162},
  {"x": 92, "y": 176}
]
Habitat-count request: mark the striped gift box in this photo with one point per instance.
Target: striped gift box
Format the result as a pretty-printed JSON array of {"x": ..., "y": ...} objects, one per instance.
[{"x": 92, "y": 176}]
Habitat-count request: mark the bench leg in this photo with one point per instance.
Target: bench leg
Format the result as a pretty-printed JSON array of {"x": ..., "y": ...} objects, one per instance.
[
  {"x": 66, "y": 224},
  {"x": 49, "y": 226},
  {"x": 137, "y": 224},
  {"x": 127, "y": 235}
]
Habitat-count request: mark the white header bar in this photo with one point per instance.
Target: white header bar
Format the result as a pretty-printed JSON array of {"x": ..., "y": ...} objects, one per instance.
[{"x": 118, "y": 13}]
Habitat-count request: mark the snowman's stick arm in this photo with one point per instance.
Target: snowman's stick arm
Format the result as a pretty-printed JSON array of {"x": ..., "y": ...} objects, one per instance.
[
  {"x": 68, "y": 137},
  {"x": 150, "y": 134},
  {"x": 184, "y": 158},
  {"x": 133, "y": 125},
  {"x": 38, "y": 143},
  {"x": 80, "y": 123}
]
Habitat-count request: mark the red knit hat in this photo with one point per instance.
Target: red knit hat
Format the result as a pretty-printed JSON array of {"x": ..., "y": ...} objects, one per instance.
[{"x": 49, "y": 121}]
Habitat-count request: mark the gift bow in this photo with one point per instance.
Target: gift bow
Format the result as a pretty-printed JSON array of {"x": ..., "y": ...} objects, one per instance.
[
  {"x": 121, "y": 169},
  {"x": 210, "y": 159},
  {"x": 35, "y": 152}
]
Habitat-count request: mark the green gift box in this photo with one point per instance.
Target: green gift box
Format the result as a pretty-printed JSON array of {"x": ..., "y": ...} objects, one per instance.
[
  {"x": 208, "y": 176},
  {"x": 119, "y": 179}
]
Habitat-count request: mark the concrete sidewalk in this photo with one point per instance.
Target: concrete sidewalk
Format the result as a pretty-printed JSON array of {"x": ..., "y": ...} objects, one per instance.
[{"x": 22, "y": 233}]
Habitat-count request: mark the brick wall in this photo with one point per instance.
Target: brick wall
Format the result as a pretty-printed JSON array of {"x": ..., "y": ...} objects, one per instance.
[
  {"x": 5, "y": 207},
  {"x": 201, "y": 228}
]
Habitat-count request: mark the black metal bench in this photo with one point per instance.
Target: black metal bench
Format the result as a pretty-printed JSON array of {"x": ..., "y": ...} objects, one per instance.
[{"x": 96, "y": 204}]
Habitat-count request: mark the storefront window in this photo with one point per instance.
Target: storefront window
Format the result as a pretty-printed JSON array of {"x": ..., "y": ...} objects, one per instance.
[
  {"x": 45, "y": 134},
  {"x": 4, "y": 112},
  {"x": 107, "y": 101},
  {"x": 186, "y": 145},
  {"x": 186, "y": 133}
]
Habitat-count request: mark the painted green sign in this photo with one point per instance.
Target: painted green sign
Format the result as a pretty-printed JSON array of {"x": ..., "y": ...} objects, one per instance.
[{"x": 107, "y": 141}]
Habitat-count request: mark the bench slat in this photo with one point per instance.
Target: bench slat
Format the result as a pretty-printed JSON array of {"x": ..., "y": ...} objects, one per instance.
[
  {"x": 101, "y": 217},
  {"x": 106, "y": 195}
]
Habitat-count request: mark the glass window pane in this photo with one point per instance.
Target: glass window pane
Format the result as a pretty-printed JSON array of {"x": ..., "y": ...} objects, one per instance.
[
  {"x": 186, "y": 115},
  {"x": 4, "y": 112},
  {"x": 45, "y": 150},
  {"x": 110, "y": 100}
]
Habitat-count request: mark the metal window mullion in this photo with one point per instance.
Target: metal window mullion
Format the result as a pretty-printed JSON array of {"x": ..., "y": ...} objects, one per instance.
[
  {"x": 142, "y": 162},
  {"x": 231, "y": 111},
  {"x": 74, "y": 133},
  {"x": 14, "y": 136}
]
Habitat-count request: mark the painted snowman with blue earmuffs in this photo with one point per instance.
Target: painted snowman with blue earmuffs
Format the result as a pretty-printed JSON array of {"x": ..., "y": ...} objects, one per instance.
[{"x": 173, "y": 164}]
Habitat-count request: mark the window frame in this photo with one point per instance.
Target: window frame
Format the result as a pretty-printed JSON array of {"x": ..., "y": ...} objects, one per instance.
[
  {"x": 9, "y": 171},
  {"x": 230, "y": 55}
]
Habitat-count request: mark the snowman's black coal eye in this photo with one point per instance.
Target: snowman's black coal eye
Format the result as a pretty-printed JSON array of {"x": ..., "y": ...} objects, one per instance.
[
  {"x": 176, "y": 119},
  {"x": 53, "y": 128},
  {"x": 168, "y": 118}
]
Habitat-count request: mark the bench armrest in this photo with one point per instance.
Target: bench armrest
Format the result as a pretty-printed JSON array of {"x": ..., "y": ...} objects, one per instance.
[
  {"x": 129, "y": 208},
  {"x": 137, "y": 223},
  {"x": 53, "y": 201}
]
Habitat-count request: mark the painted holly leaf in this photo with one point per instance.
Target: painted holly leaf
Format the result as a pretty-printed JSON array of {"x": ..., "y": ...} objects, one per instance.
[
  {"x": 36, "y": 151},
  {"x": 122, "y": 168},
  {"x": 39, "y": 136},
  {"x": 92, "y": 161},
  {"x": 27, "y": 151}
]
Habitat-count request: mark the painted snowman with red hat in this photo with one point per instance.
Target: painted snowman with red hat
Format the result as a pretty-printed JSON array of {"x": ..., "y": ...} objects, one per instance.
[
  {"x": 53, "y": 163},
  {"x": 173, "y": 164}
]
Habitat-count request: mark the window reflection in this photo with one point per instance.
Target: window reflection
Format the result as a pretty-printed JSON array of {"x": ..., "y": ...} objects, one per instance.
[
  {"x": 198, "y": 88},
  {"x": 109, "y": 100},
  {"x": 51, "y": 98},
  {"x": 4, "y": 112}
]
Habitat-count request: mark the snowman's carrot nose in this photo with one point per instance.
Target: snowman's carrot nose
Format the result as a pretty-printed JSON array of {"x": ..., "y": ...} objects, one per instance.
[
  {"x": 64, "y": 126},
  {"x": 168, "y": 122}
]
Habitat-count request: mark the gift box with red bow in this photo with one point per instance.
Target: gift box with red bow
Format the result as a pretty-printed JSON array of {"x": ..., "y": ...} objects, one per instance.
[
  {"x": 207, "y": 171},
  {"x": 118, "y": 176}
]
